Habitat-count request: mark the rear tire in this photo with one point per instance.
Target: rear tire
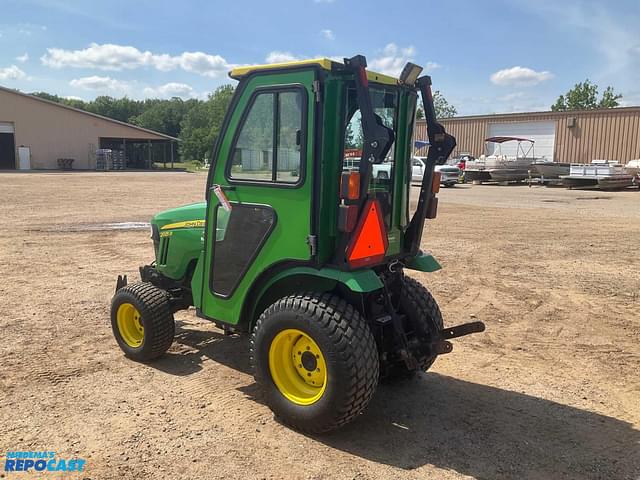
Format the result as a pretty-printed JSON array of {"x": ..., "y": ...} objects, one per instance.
[
  {"x": 423, "y": 317},
  {"x": 142, "y": 321},
  {"x": 340, "y": 339}
]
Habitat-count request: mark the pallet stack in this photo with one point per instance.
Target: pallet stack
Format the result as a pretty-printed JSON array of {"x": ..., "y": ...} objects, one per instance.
[
  {"x": 117, "y": 160},
  {"x": 107, "y": 159},
  {"x": 103, "y": 159}
]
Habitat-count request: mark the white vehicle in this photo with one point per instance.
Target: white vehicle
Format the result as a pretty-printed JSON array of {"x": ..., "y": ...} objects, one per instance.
[
  {"x": 449, "y": 174},
  {"x": 380, "y": 171}
]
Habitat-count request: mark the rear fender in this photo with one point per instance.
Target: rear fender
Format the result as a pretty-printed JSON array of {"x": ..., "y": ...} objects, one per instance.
[
  {"x": 301, "y": 279},
  {"x": 423, "y": 262}
]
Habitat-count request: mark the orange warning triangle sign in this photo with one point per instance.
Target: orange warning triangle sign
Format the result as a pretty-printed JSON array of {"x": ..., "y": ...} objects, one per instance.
[{"x": 369, "y": 244}]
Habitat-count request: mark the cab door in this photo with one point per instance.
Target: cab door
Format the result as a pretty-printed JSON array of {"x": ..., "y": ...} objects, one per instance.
[{"x": 264, "y": 169}]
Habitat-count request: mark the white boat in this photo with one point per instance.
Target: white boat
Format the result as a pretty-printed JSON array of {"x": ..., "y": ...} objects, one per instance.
[
  {"x": 550, "y": 169},
  {"x": 605, "y": 174},
  {"x": 633, "y": 167},
  {"x": 502, "y": 168}
]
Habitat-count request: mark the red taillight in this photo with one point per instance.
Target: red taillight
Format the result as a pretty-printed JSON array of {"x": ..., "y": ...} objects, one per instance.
[
  {"x": 350, "y": 185},
  {"x": 435, "y": 183},
  {"x": 369, "y": 242}
]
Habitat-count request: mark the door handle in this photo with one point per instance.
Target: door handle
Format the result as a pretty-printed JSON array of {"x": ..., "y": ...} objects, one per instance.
[{"x": 227, "y": 188}]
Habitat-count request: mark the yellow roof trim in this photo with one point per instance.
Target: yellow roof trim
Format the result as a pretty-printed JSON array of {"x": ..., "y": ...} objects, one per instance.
[
  {"x": 324, "y": 63},
  {"x": 381, "y": 78},
  {"x": 239, "y": 72}
]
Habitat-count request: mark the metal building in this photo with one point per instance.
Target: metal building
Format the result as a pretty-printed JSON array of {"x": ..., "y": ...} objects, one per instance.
[
  {"x": 574, "y": 136},
  {"x": 37, "y": 134}
]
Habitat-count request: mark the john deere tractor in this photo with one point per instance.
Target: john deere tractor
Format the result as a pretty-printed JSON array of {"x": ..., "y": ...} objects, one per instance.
[{"x": 302, "y": 248}]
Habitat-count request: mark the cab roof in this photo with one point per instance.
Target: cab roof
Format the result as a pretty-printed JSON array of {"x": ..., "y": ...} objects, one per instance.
[{"x": 324, "y": 63}]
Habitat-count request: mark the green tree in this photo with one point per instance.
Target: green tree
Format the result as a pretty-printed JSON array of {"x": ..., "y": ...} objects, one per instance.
[
  {"x": 201, "y": 125},
  {"x": 584, "y": 96},
  {"x": 164, "y": 116},
  {"x": 71, "y": 102},
  {"x": 123, "y": 109},
  {"x": 609, "y": 99},
  {"x": 48, "y": 96},
  {"x": 443, "y": 108}
]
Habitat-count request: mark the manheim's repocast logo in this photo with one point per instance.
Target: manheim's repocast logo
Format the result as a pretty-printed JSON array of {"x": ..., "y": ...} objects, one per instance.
[{"x": 18, "y": 461}]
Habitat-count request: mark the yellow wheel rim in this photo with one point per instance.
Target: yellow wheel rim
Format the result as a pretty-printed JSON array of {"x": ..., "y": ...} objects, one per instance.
[
  {"x": 297, "y": 367},
  {"x": 129, "y": 325}
]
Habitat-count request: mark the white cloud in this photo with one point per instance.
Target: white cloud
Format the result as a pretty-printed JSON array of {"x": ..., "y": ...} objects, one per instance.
[
  {"x": 12, "y": 73},
  {"x": 204, "y": 64},
  {"x": 169, "y": 90},
  {"x": 112, "y": 57},
  {"x": 431, "y": 66},
  {"x": 392, "y": 59},
  {"x": 23, "y": 58},
  {"x": 100, "y": 83},
  {"x": 102, "y": 57},
  {"x": 328, "y": 34},
  {"x": 72, "y": 97},
  {"x": 520, "y": 76},
  {"x": 280, "y": 57}
]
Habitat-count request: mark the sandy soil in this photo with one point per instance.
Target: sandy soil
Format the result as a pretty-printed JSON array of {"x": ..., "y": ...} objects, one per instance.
[{"x": 550, "y": 390}]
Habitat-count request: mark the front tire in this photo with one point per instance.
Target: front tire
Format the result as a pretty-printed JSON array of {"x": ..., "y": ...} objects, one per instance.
[
  {"x": 316, "y": 359},
  {"x": 142, "y": 321}
]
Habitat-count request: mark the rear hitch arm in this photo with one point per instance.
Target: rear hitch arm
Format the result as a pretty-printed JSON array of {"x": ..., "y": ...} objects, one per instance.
[{"x": 442, "y": 345}]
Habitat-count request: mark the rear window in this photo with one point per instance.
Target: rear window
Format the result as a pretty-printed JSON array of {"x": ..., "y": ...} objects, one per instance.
[{"x": 385, "y": 105}]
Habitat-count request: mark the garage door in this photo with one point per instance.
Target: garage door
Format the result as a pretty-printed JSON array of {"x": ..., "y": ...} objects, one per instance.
[
  {"x": 542, "y": 133},
  {"x": 7, "y": 147}
]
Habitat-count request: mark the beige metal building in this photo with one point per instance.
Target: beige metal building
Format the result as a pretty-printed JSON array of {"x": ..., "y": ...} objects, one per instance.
[
  {"x": 575, "y": 136},
  {"x": 35, "y": 133}
]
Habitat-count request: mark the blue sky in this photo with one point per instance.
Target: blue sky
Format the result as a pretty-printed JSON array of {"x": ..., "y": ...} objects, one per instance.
[{"x": 485, "y": 56}]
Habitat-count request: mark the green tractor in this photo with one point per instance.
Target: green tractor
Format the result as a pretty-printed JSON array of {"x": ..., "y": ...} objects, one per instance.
[{"x": 299, "y": 248}]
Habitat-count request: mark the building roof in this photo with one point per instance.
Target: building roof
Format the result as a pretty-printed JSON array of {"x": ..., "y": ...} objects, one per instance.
[
  {"x": 549, "y": 113},
  {"x": 84, "y": 112},
  {"x": 324, "y": 63}
]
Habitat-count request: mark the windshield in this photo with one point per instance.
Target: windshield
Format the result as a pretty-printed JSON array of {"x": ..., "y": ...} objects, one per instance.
[{"x": 385, "y": 105}]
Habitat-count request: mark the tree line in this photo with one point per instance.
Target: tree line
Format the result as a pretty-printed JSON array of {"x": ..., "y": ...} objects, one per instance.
[{"x": 197, "y": 122}]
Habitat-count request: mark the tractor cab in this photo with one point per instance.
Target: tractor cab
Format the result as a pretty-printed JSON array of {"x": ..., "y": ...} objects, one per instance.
[{"x": 304, "y": 237}]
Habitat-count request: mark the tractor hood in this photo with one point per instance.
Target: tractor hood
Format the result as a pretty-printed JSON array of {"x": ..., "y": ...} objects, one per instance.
[{"x": 186, "y": 216}]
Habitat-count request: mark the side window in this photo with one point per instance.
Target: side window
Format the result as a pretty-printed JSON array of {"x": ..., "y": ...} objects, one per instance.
[
  {"x": 253, "y": 152},
  {"x": 269, "y": 147},
  {"x": 289, "y": 137}
]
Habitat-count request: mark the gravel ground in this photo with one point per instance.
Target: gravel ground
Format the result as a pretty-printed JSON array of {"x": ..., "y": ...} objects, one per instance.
[{"x": 550, "y": 390}]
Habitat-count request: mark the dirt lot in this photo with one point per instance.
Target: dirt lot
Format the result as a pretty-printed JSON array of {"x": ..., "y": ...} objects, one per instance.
[{"x": 550, "y": 390}]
